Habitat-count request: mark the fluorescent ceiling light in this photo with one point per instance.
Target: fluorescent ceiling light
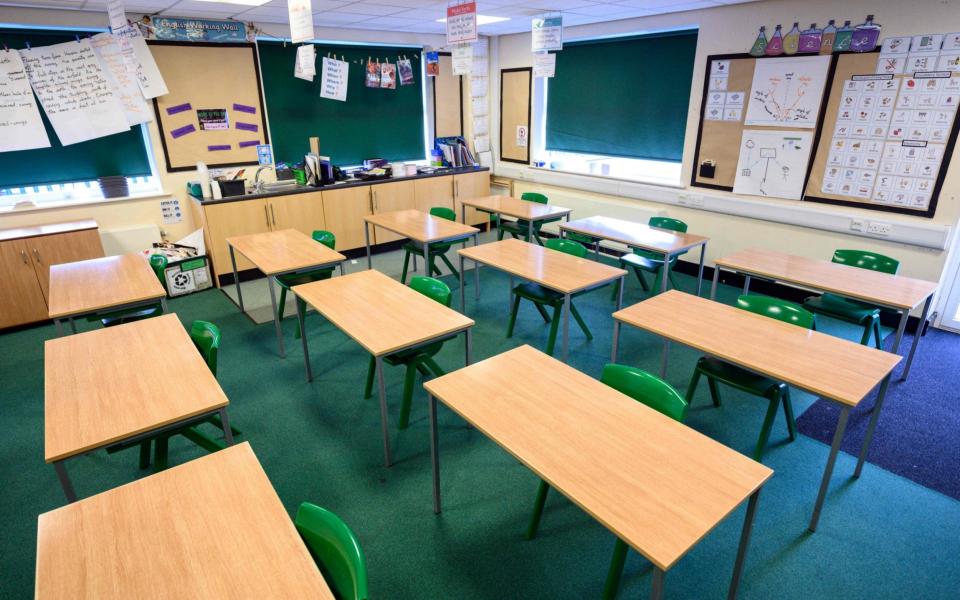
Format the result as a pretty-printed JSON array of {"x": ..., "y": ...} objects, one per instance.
[
  {"x": 481, "y": 19},
  {"x": 240, "y": 2}
]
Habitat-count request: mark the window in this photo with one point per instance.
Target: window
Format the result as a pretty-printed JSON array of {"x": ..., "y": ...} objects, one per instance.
[
  {"x": 618, "y": 107},
  {"x": 372, "y": 123}
]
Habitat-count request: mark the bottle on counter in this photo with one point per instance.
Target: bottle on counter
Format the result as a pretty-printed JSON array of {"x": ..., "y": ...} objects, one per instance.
[
  {"x": 842, "y": 41},
  {"x": 791, "y": 41},
  {"x": 827, "y": 37},
  {"x": 865, "y": 36},
  {"x": 775, "y": 45},
  {"x": 810, "y": 40},
  {"x": 760, "y": 45}
]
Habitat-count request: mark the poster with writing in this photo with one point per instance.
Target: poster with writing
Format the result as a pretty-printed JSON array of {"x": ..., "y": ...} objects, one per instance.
[
  {"x": 462, "y": 60},
  {"x": 333, "y": 79},
  {"x": 123, "y": 81},
  {"x": 116, "y": 14},
  {"x": 74, "y": 91},
  {"x": 20, "y": 125},
  {"x": 301, "y": 20},
  {"x": 306, "y": 65},
  {"x": 544, "y": 64},
  {"x": 547, "y": 33},
  {"x": 787, "y": 91},
  {"x": 140, "y": 61},
  {"x": 462, "y": 23}
]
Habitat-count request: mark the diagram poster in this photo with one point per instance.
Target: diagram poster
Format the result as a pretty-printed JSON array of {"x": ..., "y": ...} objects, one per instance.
[
  {"x": 787, "y": 92},
  {"x": 773, "y": 163}
]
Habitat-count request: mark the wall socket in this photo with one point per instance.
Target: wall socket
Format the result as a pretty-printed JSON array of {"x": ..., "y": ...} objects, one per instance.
[
  {"x": 690, "y": 199},
  {"x": 856, "y": 224},
  {"x": 879, "y": 228}
]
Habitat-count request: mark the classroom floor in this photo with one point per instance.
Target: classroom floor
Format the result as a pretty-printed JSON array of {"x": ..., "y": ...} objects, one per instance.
[{"x": 880, "y": 537}]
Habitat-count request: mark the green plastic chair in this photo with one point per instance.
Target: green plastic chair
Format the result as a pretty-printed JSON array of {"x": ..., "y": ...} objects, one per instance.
[
  {"x": 716, "y": 370},
  {"x": 335, "y": 549},
  {"x": 647, "y": 389},
  {"x": 416, "y": 360},
  {"x": 543, "y": 297},
  {"x": 520, "y": 229},
  {"x": 438, "y": 250},
  {"x": 286, "y": 282},
  {"x": 158, "y": 262},
  {"x": 854, "y": 311},
  {"x": 652, "y": 262}
]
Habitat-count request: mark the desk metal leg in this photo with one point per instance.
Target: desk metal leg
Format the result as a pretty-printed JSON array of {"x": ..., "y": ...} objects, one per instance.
[
  {"x": 616, "y": 340},
  {"x": 664, "y": 358},
  {"x": 530, "y": 231},
  {"x": 476, "y": 271},
  {"x": 468, "y": 347},
  {"x": 666, "y": 273},
  {"x": 463, "y": 294},
  {"x": 58, "y": 325},
  {"x": 620, "y": 285},
  {"x": 703, "y": 252},
  {"x": 510, "y": 295},
  {"x": 463, "y": 213},
  {"x": 384, "y": 425},
  {"x": 163, "y": 305},
  {"x": 901, "y": 329},
  {"x": 271, "y": 281},
  {"x": 916, "y": 337},
  {"x": 744, "y": 543},
  {"x": 301, "y": 319},
  {"x": 828, "y": 470},
  {"x": 73, "y": 324},
  {"x": 566, "y": 326},
  {"x": 227, "y": 432},
  {"x": 874, "y": 417},
  {"x": 236, "y": 277},
  {"x": 427, "y": 265},
  {"x": 342, "y": 269},
  {"x": 435, "y": 454},
  {"x": 65, "y": 481},
  {"x": 656, "y": 593},
  {"x": 746, "y": 285},
  {"x": 716, "y": 280},
  {"x": 366, "y": 237}
]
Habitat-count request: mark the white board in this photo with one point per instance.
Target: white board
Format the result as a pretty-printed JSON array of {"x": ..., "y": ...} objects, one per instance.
[
  {"x": 20, "y": 125},
  {"x": 773, "y": 163},
  {"x": 787, "y": 92}
]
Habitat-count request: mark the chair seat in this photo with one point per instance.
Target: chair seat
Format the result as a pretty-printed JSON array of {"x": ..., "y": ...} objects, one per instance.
[
  {"x": 288, "y": 281},
  {"x": 537, "y": 293},
  {"x": 579, "y": 237},
  {"x": 841, "y": 308},
  {"x": 640, "y": 262},
  {"x": 737, "y": 377},
  {"x": 438, "y": 248},
  {"x": 405, "y": 356},
  {"x": 120, "y": 317}
]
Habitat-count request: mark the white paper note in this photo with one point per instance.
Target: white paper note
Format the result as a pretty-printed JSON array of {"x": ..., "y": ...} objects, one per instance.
[
  {"x": 306, "y": 67},
  {"x": 333, "y": 81},
  {"x": 479, "y": 107},
  {"x": 116, "y": 14},
  {"x": 301, "y": 20},
  {"x": 108, "y": 50},
  {"x": 786, "y": 92},
  {"x": 140, "y": 61},
  {"x": 773, "y": 163},
  {"x": 20, "y": 125},
  {"x": 74, "y": 91},
  {"x": 544, "y": 64},
  {"x": 462, "y": 60}
]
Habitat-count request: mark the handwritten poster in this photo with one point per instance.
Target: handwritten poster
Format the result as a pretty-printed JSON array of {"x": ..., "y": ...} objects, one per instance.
[
  {"x": 123, "y": 81},
  {"x": 300, "y": 13},
  {"x": 74, "y": 91},
  {"x": 140, "y": 61},
  {"x": 462, "y": 23},
  {"x": 20, "y": 125},
  {"x": 333, "y": 79}
]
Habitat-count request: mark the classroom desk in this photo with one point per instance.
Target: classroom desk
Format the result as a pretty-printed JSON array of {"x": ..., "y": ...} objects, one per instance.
[
  {"x": 125, "y": 383},
  {"x": 100, "y": 285},
  {"x": 638, "y": 235},
  {"x": 276, "y": 253},
  {"x": 895, "y": 292},
  {"x": 655, "y": 483},
  {"x": 420, "y": 227},
  {"x": 212, "y": 528},
  {"x": 530, "y": 212},
  {"x": 555, "y": 270},
  {"x": 382, "y": 315},
  {"x": 828, "y": 366}
]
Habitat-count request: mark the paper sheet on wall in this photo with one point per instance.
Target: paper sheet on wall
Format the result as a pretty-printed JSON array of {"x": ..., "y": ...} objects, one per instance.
[
  {"x": 544, "y": 64},
  {"x": 462, "y": 60},
  {"x": 306, "y": 66},
  {"x": 773, "y": 163},
  {"x": 481, "y": 125},
  {"x": 21, "y": 127},
  {"x": 140, "y": 61},
  {"x": 333, "y": 80},
  {"x": 116, "y": 14},
  {"x": 478, "y": 86},
  {"x": 479, "y": 107},
  {"x": 481, "y": 143},
  {"x": 74, "y": 91},
  {"x": 786, "y": 92},
  {"x": 301, "y": 20},
  {"x": 108, "y": 50}
]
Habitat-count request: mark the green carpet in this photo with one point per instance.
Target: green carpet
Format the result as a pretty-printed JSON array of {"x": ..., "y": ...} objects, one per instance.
[{"x": 880, "y": 537}]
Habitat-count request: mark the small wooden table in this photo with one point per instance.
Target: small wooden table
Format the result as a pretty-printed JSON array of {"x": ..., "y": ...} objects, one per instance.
[
  {"x": 99, "y": 285},
  {"x": 530, "y": 212},
  {"x": 213, "y": 528},
  {"x": 557, "y": 271},
  {"x": 828, "y": 366},
  {"x": 123, "y": 384},
  {"x": 276, "y": 253},
  {"x": 657, "y": 484},
  {"x": 420, "y": 227},
  {"x": 895, "y": 292},
  {"x": 637, "y": 235},
  {"x": 382, "y": 315}
]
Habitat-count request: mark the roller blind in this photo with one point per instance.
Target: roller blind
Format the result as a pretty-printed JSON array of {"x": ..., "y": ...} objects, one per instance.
[
  {"x": 372, "y": 123},
  {"x": 623, "y": 97},
  {"x": 117, "y": 154}
]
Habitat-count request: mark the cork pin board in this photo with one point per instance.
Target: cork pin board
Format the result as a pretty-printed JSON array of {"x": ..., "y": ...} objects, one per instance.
[
  {"x": 214, "y": 112},
  {"x": 447, "y": 99}
]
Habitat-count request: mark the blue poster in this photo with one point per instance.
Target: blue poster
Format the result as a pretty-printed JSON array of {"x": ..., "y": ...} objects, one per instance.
[{"x": 198, "y": 30}]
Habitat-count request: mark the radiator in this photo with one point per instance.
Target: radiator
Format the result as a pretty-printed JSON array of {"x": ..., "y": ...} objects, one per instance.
[{"x": 129, "y": 239}]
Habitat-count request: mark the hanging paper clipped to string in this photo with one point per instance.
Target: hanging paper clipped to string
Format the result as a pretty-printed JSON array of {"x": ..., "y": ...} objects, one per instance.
[
  {"x": 462, "y": 59},
  {"x": 333, "y": 79},
  {"x": 388, "y": 76},
  {"x": 547, "y": 33},
  {"x": 20, "y": 125},
  {"x": 305, "y": 67},
  {"x": 373, "y": 73},
  {"x": 116, "y": 14},
  {"x": 544, "y": 64},
  {"x": 300, "y": 13},
  {"x": 461, "y": 22}
]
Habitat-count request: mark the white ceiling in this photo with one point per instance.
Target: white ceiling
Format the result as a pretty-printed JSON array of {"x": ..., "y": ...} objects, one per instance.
[{"x": 397, "y": 15}]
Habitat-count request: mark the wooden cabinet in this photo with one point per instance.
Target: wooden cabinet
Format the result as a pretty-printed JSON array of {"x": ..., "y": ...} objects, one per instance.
[
  {"x": 228, "y": 219},
  {"x": 434, "y": 191},
  {"x": 21, "y": 300},
  {"x": 471, "y": 185},
  {"x": 388, "y": 197},
  {"x": 303, "y": 212},
  {"x": 343, "y": 210},
  {"x": 62, "y": 248}
]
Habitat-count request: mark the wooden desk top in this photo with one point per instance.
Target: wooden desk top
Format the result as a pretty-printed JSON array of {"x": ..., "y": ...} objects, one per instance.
[
  {"x": 871, "y": 286},
  {"x": 210, "y": 528},
  {"x": 657, "y": 484},
  {"x": 635, "y": 234},
  {"x": 283, "y": 251},
  {"x": 42, "y": 230},
  {"x": 420, "y": 226},
  {"x": 380, "y": 313},
  {"x": 826, "y": 365},
  {"x": 87, "y": 286},
  {"x": 555, "y": 270},
  {"x": 514, "y": 207},
  {"x": 107, "y": 385}
]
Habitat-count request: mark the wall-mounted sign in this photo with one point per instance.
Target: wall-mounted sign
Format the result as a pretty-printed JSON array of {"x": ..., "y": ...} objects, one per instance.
[
  {"x": 544, "y": 64},
  {"x": 462, "y": 23},
  {"x": 213, "y": 119},
  {"x": 547, "y": 33},
  {"x": 197, "y": 30}
]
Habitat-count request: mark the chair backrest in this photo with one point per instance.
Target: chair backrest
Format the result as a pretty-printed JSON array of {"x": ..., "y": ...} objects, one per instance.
[
  {"x": 206, "y": 337},
  {"x": 646, "y": 388},
  {"x": 432, "y": 288},
  {"x": 668, "y": 223},
  {"x": 867, "y": 260},
  {"x": 335, "y": 550},
  {"x": 534, "y": 197},
  {"x": 775, "y": 308},
  {"x": 444, "y": 213},
  {"x": 568, "y": 246},
  {"x": 326, "y": 238},
  {"x": 158, "y": 262}
]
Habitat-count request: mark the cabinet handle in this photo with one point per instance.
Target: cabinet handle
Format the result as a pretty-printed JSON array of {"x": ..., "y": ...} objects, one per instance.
[
  {"x": 456, "y": 188},
  {"x": 376, "y": 205},
  {"x": 37, "y": 254},
  {"x": 24, "y": 255},
  {"x": 273, "y": 215},
  {"x": 266, "y": 213}
]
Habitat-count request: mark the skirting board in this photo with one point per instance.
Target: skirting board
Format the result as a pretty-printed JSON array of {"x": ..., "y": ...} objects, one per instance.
[{"x": 924, "y": 235}]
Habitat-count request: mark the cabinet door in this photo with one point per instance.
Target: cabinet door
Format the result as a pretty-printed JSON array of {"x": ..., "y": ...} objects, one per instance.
[
  {"x": 434, "y": 191},
  {"x": 61, "y": 248},
  {"x": 303, "y": 212},
  {"x": 472, "y": 185},
  {"x": 229, "y": 219},
  {"x": 21, "y": 300},
  {"x": 388, "y": 197},
  {"x": 343, "y": 211}
]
